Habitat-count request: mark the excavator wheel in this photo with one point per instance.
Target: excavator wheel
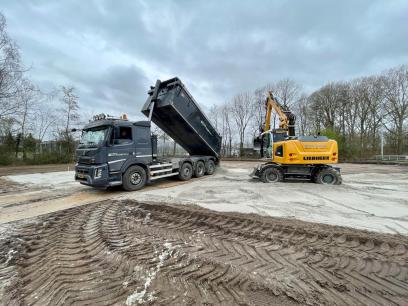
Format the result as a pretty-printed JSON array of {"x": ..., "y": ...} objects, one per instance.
[
  {"x": 328, "y": 176},
  {"x": 271, "y": 175}
]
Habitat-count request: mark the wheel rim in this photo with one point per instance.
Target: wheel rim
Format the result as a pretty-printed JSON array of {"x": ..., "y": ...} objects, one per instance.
[
  {"x": 186, "y": 171},
  {"x": 200, "y": 169},
  {"x": 328, "y": 179},
  {"x": 272, "y": 176},
  {"x": 135, "y": 178}
]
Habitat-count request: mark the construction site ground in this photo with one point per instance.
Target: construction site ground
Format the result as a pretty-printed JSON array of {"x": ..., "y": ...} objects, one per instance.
[{"x": 221, "y": 239}]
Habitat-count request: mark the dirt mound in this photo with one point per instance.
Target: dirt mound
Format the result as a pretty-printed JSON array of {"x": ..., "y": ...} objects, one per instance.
[{"x": 128, "y": 253}]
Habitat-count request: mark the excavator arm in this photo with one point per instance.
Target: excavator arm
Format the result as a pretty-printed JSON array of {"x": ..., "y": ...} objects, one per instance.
[{"x": 286, "y": 117}]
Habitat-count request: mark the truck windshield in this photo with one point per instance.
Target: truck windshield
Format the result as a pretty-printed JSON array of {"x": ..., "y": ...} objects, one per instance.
[{"x": 94, "y": 136}]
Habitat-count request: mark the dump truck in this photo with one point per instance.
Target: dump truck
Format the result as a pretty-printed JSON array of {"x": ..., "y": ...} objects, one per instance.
[{"x": 116, "y": 151}]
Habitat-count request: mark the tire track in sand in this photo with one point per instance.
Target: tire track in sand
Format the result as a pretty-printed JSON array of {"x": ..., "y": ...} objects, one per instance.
[{"x": 126, "y": 252}]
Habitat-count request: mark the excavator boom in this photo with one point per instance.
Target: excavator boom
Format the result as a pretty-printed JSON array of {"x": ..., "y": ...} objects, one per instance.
[{"x": 286, "y": 117}]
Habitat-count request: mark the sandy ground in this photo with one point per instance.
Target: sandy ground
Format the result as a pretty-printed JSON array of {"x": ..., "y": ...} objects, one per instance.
[
  {"x": 372, "y": 197},
  {"x": 131, "y": 253},
  {"x": 145, "y": 248},
  {"x": 11, "y": 170}
]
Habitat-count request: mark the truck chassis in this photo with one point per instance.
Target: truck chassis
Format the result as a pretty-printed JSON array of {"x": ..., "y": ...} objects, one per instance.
[{"x": 136, "y": 175}]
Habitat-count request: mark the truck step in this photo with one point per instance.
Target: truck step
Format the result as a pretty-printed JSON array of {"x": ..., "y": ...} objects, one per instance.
[
  {"x": 160, "y": 171},
  {"x": 164, "y": 175},
  {"x": 161, "y": 165}
]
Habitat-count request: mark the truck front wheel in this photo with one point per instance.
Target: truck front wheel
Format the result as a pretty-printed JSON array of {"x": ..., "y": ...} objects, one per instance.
[
  {"x": 134, "y": 178},
  {"x": 185, "y": 172}
]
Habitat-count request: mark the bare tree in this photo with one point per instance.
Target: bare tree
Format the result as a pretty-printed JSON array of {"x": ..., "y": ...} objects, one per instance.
[
  {"x": 226, "y": 130},
  {"x": 288, "y": 91},
  {"x": 214, "y": 116},
  {"x": 302, "y": 114},
  {"x": 10, "y": 72},
  {"x": 396, "y": 96},
  {"x": 325, "y": 105},
  {"x": 70, "y": 106},
  {"x": 46, "y": 114},
  {"x": 259, "y": 110},
  {"x": 26, "y": 97},
  {"x": 242, "y": 111}
]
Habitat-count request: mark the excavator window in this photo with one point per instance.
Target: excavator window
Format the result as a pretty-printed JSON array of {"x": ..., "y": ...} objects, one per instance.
[{"x": 279, "y": 151}]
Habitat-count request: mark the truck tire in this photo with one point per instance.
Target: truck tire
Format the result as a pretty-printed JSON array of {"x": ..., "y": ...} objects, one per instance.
[
  {"x": 199, "y": 169},
  {"x": 185, "y": 172},
  {"x": 271, "y": 175},
  {"x": 328, "y": 176},
  {"x": 134, "y": 178},
  {"x": 210, "y": 169}
]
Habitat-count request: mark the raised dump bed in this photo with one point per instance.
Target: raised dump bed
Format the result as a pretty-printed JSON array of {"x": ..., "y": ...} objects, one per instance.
[{"x": 177, "y": 113}]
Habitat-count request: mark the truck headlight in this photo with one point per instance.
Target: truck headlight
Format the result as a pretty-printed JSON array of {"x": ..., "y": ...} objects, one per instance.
[{"x": 98, "y": 173}]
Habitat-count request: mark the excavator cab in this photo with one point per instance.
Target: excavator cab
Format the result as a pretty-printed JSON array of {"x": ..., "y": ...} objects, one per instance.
[{"x": 264, "y": 142}]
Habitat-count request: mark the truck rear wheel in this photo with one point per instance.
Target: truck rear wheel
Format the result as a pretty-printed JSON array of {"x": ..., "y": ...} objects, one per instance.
[
  {"x": 328, "y": 176},
  {"x": 199, "y": 169},
  {"x": 185, "y": 172},
  {"x": 134, "y": 178},
  {"x": 271, "y": 175},
  {"x": 210, "y": 167}
]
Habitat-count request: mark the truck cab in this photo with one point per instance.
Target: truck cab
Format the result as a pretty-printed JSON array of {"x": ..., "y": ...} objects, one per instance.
[{"x": 108, "y": 146}]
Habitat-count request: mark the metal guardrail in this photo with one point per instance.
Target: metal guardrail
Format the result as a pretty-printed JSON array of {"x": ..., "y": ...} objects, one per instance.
[{"x": 392, "y": 157}]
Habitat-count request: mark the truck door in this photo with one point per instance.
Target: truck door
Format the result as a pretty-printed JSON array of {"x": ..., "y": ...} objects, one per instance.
[
  {"x": 122, "y": 147},
  {"x": 143, "y": 144}
]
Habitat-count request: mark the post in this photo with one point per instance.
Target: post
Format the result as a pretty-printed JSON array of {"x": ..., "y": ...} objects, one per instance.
[
  {"x": 382, "y": 145},
  {"x": 151, "y": 111}
]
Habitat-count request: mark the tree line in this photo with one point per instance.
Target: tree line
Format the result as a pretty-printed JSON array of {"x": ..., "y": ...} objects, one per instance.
[
  {"x": 359, "y": 113},
  {"x": 29, "y": 115}
]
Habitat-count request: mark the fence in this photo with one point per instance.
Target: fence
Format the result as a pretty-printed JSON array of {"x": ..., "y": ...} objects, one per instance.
[{"x": 392, "y": 157}]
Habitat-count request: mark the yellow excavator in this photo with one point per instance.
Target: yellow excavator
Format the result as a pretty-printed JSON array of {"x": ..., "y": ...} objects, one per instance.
[{"x": 290, "y": 156}]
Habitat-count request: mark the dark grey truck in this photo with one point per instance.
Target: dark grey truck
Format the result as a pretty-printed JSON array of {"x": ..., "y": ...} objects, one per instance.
[{"x": 115, "y": 151}]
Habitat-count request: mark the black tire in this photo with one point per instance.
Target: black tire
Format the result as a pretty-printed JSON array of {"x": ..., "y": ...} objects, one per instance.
[
  {"x": 199, "y": 169},
  {"x": 134, "y": 178},
  {"x": 328, "y": 176},
  {"x": 271, "y": 175},
  {"x": 210, "y": 168},
  {"x": 314, "y": 176},
  {"x": 185, "y": 172}
]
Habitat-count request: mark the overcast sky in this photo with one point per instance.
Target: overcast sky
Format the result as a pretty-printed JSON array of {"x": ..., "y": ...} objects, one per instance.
[{"x": 112, "y": 51}]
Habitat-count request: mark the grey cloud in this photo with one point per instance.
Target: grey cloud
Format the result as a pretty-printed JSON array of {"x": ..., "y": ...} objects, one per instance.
[{"x": 218, "y": 48}]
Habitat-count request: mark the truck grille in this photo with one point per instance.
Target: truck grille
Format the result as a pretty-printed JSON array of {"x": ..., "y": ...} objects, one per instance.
[
  {"x": 82, "y": 171},
  {"x": 84, "y": 160}
]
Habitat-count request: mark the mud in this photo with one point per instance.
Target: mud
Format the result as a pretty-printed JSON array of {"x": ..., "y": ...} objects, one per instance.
[
  {"x": 128, "y": 252},
  {"x": 7, "y": 186},
  {"x": 12, "y": 170}
]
